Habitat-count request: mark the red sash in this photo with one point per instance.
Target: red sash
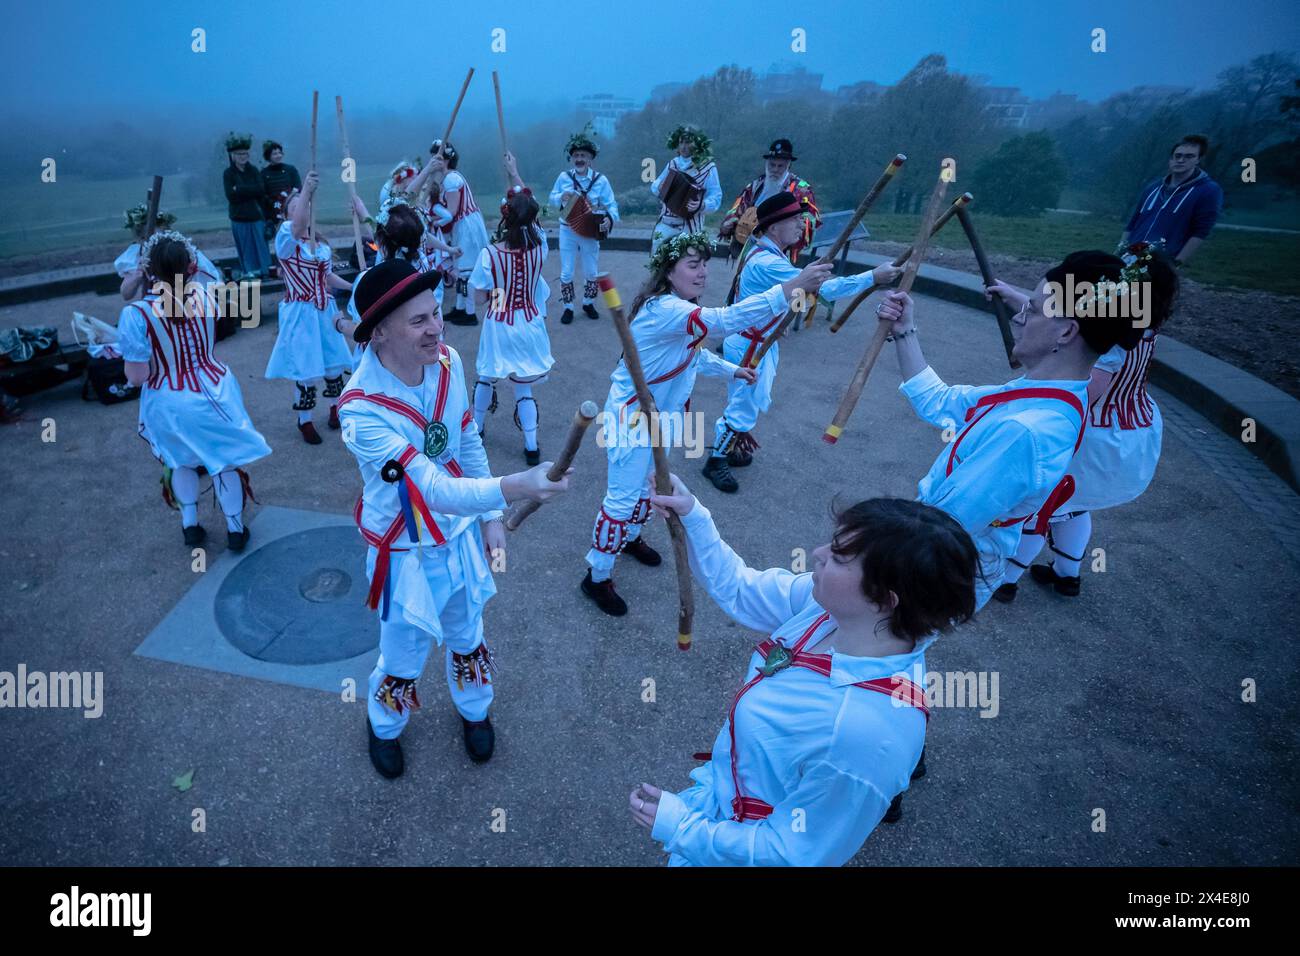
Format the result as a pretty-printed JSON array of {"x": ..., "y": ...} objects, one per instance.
[
  {"x": 900, "y": 688},
  {"x": 1065, "y": 487}
]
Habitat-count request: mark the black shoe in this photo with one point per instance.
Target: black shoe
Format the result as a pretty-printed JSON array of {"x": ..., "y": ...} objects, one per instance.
[
  {"x": 480, "y": 739},
  {"x": 386, "y": 755},
  {"x": 567, "y": 317},
  {"x": 604, "y": 595},
  {"x": 194, "y": 534},
  {"x": 642, "y": 552},
  {"x": 460, "y": 317},
  {"x": 1006, "y": 593},
  {"x": 719, "y": 472},
  {"x": 895, "y": 811},
  {"x": 589, "y": 310},
  {"x": 309, "y": 433},
  {"x": 533, "y": 456},
  {"x": 1046, "y": 574},
  {"x": 237, "y": 540},
  {"x": 740, "y": 459},
  {"x": 919, "y": 770}
]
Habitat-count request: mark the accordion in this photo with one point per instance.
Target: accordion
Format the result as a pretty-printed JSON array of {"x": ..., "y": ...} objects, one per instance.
[
  {"x": 586, "y": 221},
  {"x": 680, "y": 189}
]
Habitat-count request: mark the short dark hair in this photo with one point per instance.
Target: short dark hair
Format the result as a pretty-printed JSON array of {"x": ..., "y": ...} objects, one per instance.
[
  {"x": 1193, "y": 139},
  {"x": 268, "y": 148},
  {"x": 921, "y": 554}
]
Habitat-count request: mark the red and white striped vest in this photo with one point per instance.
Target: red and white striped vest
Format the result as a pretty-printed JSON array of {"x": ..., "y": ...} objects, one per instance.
[
  {"x": 182, "y": 358},
  {"x": 304, "y": 277},
  {"x": 1126, "y": 400},
  {"x": 515, "y": 272}
]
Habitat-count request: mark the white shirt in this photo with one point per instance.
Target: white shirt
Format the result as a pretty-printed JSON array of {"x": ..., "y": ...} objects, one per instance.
[
  {"x": 600, "y": 194},
  {"x": 827, "y": 756},
  {"x": 1005, "y": 467}
]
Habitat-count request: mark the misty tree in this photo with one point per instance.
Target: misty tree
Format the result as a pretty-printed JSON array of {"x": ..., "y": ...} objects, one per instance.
[{"x": 1023, "y": 177}]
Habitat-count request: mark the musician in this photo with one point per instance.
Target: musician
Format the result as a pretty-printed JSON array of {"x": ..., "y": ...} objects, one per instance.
[
  {"x": 827, "y": 727},
  {"x": 430, "y": 509},
  {"x": 777, "y": 177},
  {"x": 1011, "y": 453},
  {"x": 191, "y": 407},
  {"x": 781, "y": 220},
  {"x": 1121, "y": 445},
  {"x": 511, "y": 294},
  {"x": 131, "y": 269},
  {"x": 308, "y": 345},
  {"x": 669, "y": 327},
  {"x": 465, "y": 230},
  {"x": 280, "y": 180},
  {"x": 688, "y": 187},
  {"x": 597, "y": 214}
]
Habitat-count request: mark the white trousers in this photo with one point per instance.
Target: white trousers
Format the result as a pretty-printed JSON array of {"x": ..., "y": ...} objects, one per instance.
[
  {"x": 625, "y": 508},
  {"x": 573, "y": 245}
]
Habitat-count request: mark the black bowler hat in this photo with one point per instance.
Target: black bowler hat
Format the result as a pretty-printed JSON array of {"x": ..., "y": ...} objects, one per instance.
[
  {"x": 385, "y": 287},
  {"x": 784, "y": 205},
  {"x": 781, "y": 149}
]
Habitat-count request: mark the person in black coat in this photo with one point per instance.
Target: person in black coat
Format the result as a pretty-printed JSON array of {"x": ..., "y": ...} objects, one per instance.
[{"x": 246, "y": 193}]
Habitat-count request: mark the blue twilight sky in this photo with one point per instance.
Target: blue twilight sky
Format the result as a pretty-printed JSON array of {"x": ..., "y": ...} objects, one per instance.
[{"x": 117, "y": 58}]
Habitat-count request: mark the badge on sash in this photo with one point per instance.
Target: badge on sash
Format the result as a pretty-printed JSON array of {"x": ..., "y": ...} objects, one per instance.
[
  {"x": 778, "y": 659},
  {"x": 435, "y": 439}
]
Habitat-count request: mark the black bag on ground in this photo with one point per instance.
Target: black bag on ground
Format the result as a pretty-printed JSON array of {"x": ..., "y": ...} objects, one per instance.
[{"x": 106, "y": 380}]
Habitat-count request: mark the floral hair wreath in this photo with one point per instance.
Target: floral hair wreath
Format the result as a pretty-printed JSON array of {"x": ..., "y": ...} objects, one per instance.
[
  {"x": 1136, "y": 258},
  {"x": 702, "y": 146},
  {"x": 671, "y": 251},
  {"x": 448, "y": 152},
  {"x": 394, "y": 201},
  {"x": 514, "y": 191},
  {"x": 238, "y": 141},
  {"x": 147, "y": 251},
  {"x": 137, "y": 216},
  {"x": 403, "y": 171},
  {"x": 582, "y": 140}
]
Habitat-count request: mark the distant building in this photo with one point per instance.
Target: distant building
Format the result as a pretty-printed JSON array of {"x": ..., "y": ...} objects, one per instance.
[
  {"x": 604, "y": 109},
  {"x": 1008, "y": 105},
  {"x": 860, "y": 92},
  {"x": 1057, "y": 110},
  {"x": 786, "y": 81},
  {"x": 666, "y": 91}
]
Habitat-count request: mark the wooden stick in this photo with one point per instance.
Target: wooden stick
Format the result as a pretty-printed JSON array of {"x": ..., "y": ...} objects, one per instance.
[
  {"x": 352, "y": 187},
  {"x": 455, "y": 110},
  {"x": 957, "y": 205},
  {"x": 663, "y": 481},
  {"x": 311, "y": 227},
  {"x": 501, "y": 123},
  {"x": 151, "y": 218},
  {"x": 868, "y": 200},
  {"x": 868, "y": 361},
  {"x": 999, "y": 307},
  {"x": 582, "y": 419}
]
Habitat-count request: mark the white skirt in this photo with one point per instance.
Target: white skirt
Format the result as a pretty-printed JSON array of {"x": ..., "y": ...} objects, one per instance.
[
  {"x": 1114, "y": 465},
  {"x": 522, "y": 349},
  {"x": 470, "y": 236},
  {"x": 307, "y": 345},
  {"x": 211, "y": 428}
]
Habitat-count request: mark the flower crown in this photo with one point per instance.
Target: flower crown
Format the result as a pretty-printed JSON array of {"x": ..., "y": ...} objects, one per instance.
[
  {"x": 147, "y": 250},
  {"x": 391, "y": 203},
  {"x": 582, "y": 140},
  {"x": 1136, "y": 258},
  {"x": 403, "y": 171},
  {"x": 514, "y": 191},
  {"x": 137, "y": 216},
  {"x": 702, "y": 146},
  {"x": 671, "y": 251},
  {"x": 238, "y": 141}
]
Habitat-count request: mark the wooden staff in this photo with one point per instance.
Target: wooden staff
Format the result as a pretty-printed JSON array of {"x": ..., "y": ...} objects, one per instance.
[
  {"x": 311, "y": 227},
  {"x": 151, "y": 217},
  {"x": 868, "y": 200},
  {"x": 456, "y": 109},
  {"x": 854, "y": 391},
  {"x": 663, "y": 480},
  {"x": 352, "y": 187},
  {"x": 501, "y": 123},
  {"x": 957, "y": 205},
  {"x": 582, "y": 418},
  {"x": 999, "y": 307}
]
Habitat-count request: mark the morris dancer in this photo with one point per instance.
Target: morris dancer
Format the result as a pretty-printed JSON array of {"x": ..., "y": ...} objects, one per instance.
[
  {"x": 466, "y": 229},
  {"x": 777, "y": 177},
  {"x": 308, "y": 345},
  {"x": 581, "y": 180},
  {"x": 825, "y": 732},
  {"x": 701, "y": 194},
  {"x": 669, "y": 327},
  {"x": 403, "y": 232},
  {"x": 780, "y": 225},
  {"x": 1010, "y": 457},
  {"x": 1121, "y": 445},
  {"x": 510, "y": 291},
  {"x": 128, "y": 264},
  {"x": 430, "y": 510},
  {"x": 191, "y": 408}
]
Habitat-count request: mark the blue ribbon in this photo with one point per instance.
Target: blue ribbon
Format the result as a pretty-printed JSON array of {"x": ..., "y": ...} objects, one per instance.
[{"x": 408, "y": 515}]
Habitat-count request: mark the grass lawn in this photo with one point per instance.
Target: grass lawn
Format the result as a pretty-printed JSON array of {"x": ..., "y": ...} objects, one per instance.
[{"x": 1229, "y": 258}]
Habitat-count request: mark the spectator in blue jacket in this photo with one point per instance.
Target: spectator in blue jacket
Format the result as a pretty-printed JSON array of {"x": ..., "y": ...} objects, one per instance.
[{"x": 1180, "y": 208}]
